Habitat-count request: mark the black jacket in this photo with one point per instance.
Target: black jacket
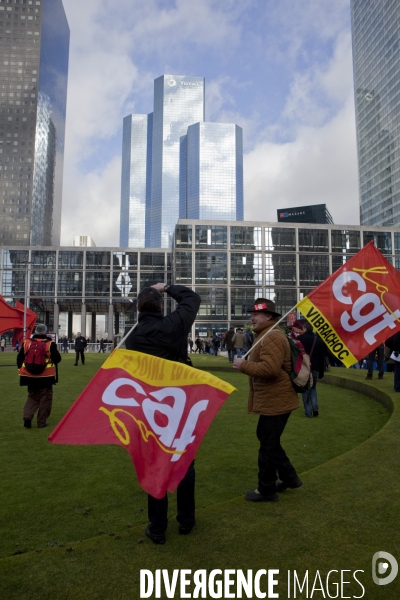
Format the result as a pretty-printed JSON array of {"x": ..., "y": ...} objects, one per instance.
[
  {"x": 318, "y": 354},
  {"x": 166, "y": 337},
  {"x": 39, "y": 382},
  {"x": 80, "y": 344}
]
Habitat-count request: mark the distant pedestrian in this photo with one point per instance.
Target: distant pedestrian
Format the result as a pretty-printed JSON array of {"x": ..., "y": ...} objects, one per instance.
[
  {"x": 39, "y": 376},
  {"x": 65, "y": 344},
  {"x": 215, "y": 344},
  {"x": 230, "y": 346},
  {"x": 199, "y": 345},
  {"x": 102, "y": 346},
  {"x": 190, "y": 345},
  {"x": 3, "y": 344},
  {"x": 239, "y": 341},
  {"x": 80, "y": 345},
  {"x": 315, "y": 348},
  {"x": 378, "y": 355},
  {"x": 17, "y": 346}
]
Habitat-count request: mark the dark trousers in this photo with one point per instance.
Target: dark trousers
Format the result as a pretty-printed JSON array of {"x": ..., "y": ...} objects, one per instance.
[
  {"x": 272, "y": 459},
  {"x": 38, "y": 400},
  {"x": 82, "y": 355},
  {"x": 379, "y": 354},
  {"x": 397, "y": 376},
  {"x": 158, "y": 509}
]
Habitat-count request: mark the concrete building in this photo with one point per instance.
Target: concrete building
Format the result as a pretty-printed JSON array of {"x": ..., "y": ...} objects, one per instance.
[{"x": 228, "y": 263}]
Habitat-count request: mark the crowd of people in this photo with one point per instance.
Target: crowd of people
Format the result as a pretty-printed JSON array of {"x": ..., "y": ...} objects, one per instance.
[{"x": 266, "y": 361}]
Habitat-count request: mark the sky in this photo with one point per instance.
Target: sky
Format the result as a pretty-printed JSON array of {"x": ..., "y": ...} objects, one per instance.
[{"x": 281, "y": 69}]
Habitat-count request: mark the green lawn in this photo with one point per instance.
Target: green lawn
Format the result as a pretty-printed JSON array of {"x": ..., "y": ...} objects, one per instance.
[{"x": 72, "y": 517}]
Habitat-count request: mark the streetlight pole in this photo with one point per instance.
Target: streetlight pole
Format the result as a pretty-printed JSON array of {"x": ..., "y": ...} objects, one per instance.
[{"x": 27, "y": 273}]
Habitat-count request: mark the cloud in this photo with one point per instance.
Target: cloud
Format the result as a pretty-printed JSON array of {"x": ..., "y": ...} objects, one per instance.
[
  {"x": 280, "y": 70},
  {"x": 318, "y": 167},
  {"x": 93, "y": 204}
]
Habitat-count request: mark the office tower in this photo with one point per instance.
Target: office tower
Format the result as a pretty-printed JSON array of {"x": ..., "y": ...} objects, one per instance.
[
  {"x": 178, "y": 102},
  {"x": 314, "y": 213},
  {"x": 174, "y": 165},
  {"x": 34, "y": 46},
  {"x": 376, "y": 60},
  {"x": 135, "y": 179},
  {"x": 212, "y": 174}
]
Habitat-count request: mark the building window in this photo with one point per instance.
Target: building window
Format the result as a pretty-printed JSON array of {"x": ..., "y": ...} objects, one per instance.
[
  {"x": 313, "y": 240},
  {"x": 210, "y": 268},
  {"x": 211, "y": 236},
  {"x": 183, "y": 236},
  {"x": 280, "y": 238},
  {"x": 245, "y": 238}
]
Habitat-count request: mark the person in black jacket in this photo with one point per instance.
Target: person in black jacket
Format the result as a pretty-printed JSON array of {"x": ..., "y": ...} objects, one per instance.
[
  {"x": 80, "y": 345},
  {"x": 315, "y": 348},
  {"x": 166, "y": 337},
  {"x": 40, "y": 386}
]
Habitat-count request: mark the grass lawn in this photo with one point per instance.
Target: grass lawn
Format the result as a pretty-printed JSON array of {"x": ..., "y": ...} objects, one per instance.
[{"x": 72, "y": 518}]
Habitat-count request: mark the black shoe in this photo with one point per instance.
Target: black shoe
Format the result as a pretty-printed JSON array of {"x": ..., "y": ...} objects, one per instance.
[
  {"x": 256, "y": 497},
  {"x": 45, "y": 425},
  {"x": 368, "y": 377},
  {"x": 156, "y": 538},
  {"x": 380, "y": 376},
  {"x": 27, "y": 423},
  {"x": 281, "y": 486},
  {"x": 315, "y": 413},
  {"x": 75, "y": 364},
  {"x": 186, "y": 529}
]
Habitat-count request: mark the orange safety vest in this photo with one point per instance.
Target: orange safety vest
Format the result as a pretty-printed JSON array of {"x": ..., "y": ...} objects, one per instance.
[{"x": 49, "y": 370}]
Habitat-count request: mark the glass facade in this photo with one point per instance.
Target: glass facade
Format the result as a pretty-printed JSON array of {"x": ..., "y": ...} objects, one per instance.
[
  {"x": 376, "y": 61},
  {"x": 176, "y": 166},
  {"x": 228, "y": 264},
  {"x": 34, "y": 48},
  {"x": 178, "y": 102},
  {"x": 136, "y": 164},
  {"x": 315, "y": 213},
  {"x": 214, "y": 172}
]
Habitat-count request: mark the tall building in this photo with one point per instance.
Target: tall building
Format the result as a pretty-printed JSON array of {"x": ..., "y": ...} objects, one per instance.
[
  {"x": 176, "y": 165},
  {"x": 211, "y": 184},
  {"x": 135, "y": 178},
  {"x": 376, "y": 60},
  {"x": 315, "y": 213},
  {"x": 34, "y": 47}
]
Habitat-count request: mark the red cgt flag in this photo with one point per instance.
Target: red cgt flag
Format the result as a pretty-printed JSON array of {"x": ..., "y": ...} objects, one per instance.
[
  {"x": 357, "y": 307},
  {"x": 157, "y": 409}
]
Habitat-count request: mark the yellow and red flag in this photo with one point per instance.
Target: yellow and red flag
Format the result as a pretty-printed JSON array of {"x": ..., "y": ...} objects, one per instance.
[
  {"x": 357, "y": 307},
  {"x": 157, "y": 409}
]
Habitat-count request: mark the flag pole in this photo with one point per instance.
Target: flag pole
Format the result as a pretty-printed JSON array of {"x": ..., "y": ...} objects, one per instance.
[
  {"x": 127, "y": 335},
  {"x": 269, "y": 330}
]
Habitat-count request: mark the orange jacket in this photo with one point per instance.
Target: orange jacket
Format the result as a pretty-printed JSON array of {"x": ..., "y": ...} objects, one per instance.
[{"x": 49, "y": 370}]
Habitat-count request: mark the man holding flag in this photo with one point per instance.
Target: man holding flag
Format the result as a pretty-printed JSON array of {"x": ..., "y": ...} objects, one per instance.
[
  {"x": 166, "y": 337},
  {"x": 272, "y": 397}
]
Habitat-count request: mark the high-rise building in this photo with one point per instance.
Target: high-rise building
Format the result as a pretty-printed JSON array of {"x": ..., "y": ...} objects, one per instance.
[
  {"x": 175, "y": 165},
  {"x": 178, "y": 102},
  {"x": 315, "y": 213},
  {"x": 135, "y": 178},
  {"x": 212, "y": 183},
  {"x": 376, "y": 60},
  {"x": 34, "y": 47}
]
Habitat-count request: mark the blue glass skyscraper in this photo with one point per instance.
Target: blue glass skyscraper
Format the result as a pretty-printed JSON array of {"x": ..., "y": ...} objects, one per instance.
[
  {"x": 34, "y": 47},
  {"x": 213, "y": 182},
  {"x": 160, "y": 159},
  {"x": 135, "y": 179},
  {"x": 376, "y": 59},
  {"x": 178, "y": 102}
]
